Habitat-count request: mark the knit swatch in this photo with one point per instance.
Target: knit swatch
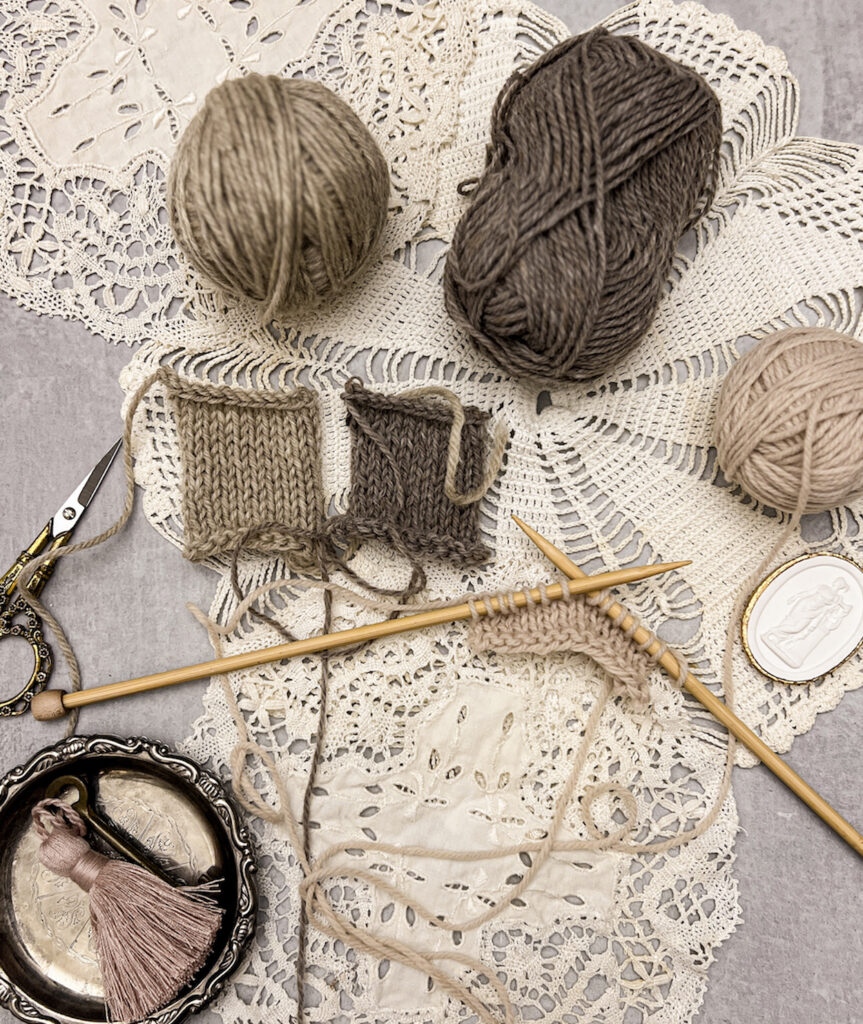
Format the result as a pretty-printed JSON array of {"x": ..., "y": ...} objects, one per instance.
[
  {"x": 398, "y": 472},
  {"x": 569, "y": 625},
  {"x": 249, "y": 458}
]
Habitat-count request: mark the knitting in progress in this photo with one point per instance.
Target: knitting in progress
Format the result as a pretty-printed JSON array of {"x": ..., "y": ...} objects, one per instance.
[
  {"x": 578, "y": 624},
  {"x": 427, "y": 744},
  {"x": 252, "y": 480},
  {"x": 277, "y": 193},
  {"x": 602, "y": 154},
  {"x": 614, "y": 652}
]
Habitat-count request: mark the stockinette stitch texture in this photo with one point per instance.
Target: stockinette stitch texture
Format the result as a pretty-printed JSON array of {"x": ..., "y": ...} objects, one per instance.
[
  {"x": 399, "y": 455},
  {"x": 249, "y": 458},
  {"x": 575, "y": 624}
]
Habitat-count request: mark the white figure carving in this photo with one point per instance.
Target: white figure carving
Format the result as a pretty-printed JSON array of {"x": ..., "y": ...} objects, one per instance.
[{"x": 812, "y": 615}]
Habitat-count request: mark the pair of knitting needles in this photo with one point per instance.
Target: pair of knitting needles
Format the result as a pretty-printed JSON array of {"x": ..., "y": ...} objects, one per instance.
[{"x": 55, "y": 703}]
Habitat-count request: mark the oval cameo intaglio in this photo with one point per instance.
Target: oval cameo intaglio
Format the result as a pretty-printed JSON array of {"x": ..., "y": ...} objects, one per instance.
[{"x": 806, "y": 618}]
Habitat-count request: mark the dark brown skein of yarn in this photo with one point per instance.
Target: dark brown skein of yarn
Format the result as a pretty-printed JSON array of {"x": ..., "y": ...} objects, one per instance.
[
  {"x": 277, "y": 192},
  {"x": 603, "y": 153}
]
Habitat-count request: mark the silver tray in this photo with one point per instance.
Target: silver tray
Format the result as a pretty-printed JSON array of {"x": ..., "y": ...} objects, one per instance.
[{"x": 164, "y": 801}]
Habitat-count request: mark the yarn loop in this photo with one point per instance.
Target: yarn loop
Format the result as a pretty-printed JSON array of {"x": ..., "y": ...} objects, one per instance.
[
  {"x": 790, "y": 419},
  {"x": 277, "y": 192},
  {"x": 603, "y": 153}
]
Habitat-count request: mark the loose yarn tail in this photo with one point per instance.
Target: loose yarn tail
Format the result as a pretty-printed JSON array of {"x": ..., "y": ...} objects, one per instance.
[
  {"x": 757, "y": 574},
  {"x": 317, "y": 907},
  {"x": 410, "y": 453},
  {"x": 326, "y": 555},
  {"x": 325, "y": 539},
  {"x": 499, "y": 440}
]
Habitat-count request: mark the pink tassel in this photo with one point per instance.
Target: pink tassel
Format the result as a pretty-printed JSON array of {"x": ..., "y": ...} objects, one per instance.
[{"x": 151, "y": 939}]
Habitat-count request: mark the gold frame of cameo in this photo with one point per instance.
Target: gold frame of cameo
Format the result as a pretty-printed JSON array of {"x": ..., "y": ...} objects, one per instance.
[{"x": 801, "y": 631}]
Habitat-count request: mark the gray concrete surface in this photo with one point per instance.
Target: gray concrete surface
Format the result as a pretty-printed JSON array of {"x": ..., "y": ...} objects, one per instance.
[{"x": 798, "y": 958}]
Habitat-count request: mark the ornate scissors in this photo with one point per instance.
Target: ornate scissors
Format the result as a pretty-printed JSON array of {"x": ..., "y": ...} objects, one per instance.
[{"x": 55, "y": 534}]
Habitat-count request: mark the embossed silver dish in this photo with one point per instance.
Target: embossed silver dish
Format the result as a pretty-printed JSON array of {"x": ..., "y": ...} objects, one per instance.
[{"x": 164, "y": 801}]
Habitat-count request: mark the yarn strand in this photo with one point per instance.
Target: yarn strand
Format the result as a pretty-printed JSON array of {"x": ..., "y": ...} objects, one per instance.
[{"x": 331, "y": 923}]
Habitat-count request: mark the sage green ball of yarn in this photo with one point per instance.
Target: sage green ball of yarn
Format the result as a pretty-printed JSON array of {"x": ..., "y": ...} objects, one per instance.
[
  {"x": 277, "y": 193},
  {"x": 789, "y": 421}
]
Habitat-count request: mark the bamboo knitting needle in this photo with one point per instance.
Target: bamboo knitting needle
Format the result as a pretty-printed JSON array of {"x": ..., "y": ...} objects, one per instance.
[
  {"x": 55, "y": 703},
  {"x": 717, "y": 708}
]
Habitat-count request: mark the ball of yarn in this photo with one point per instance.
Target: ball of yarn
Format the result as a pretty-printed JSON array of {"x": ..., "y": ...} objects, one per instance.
[
  {"x": 603, "y": 153},
  {"x": 789, "y": 421},
  {"x": 277, "y": 192}
]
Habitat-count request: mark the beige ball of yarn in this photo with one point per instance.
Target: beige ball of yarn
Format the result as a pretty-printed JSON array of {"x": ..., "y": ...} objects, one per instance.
[
  {"x": 277, "y": 192},
  {"x": 789, "y": 423}
]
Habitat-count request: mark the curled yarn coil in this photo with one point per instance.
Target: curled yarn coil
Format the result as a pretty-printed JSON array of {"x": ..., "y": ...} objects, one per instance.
[
  {"x": 602, "y": 154},
  {"x": 277, "y": 192},
  {"x": 622, "y": 833},
  {"x": 790, "y": 418}
]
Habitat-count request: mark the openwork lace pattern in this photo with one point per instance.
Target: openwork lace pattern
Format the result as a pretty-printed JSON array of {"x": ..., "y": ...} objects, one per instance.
[{"x": 428, "y": 743}]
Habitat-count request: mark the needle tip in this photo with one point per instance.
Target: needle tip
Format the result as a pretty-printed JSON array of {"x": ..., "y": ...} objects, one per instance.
[{"x": 529, "y": 530}]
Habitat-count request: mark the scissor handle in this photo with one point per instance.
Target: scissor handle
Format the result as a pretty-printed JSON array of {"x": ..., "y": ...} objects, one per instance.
[
  {"x": 45, "y": 541},
  {"x": 29, "y": 627},
  {"x": 17, "y": 618}
]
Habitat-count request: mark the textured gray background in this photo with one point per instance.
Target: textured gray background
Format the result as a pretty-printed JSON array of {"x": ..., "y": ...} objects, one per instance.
[{"x": 798, "y": 958}]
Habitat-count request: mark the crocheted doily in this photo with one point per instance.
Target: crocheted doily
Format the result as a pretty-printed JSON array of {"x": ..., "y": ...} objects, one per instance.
[{"x": 427, "y": 743}]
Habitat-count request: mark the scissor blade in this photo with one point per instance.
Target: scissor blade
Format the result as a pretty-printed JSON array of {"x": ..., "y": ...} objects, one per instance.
[{"x": 73, "y": 507}]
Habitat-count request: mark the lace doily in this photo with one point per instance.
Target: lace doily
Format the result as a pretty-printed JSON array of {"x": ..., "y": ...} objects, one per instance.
[{"x": 426, "y": 743}]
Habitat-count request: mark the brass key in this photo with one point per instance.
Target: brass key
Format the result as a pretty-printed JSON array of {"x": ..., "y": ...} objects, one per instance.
[{"x": 133, "y": 852}]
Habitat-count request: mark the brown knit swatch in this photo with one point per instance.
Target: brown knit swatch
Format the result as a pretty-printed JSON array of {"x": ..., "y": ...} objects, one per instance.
[
  {"x": 570, "y": 625},
  {"x": 398, "y": 471},
  {"x": 249, "y": 458}
]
